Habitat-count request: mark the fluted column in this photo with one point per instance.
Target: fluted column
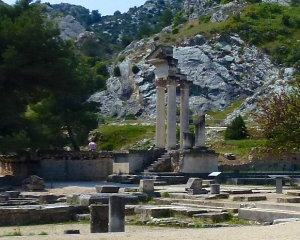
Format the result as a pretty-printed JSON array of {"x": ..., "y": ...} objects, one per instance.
[
  {"x": 171, "y": 114},
  {"x": 184, "y": 111},
  {"x": 160, "y": 137}
]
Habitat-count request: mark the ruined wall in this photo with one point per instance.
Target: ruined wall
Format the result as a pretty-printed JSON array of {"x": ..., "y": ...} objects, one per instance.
[
  {"x": 198, "y": 162},
  {"x": 75, "y": 169},
  {"x": 134, "y": 161}
]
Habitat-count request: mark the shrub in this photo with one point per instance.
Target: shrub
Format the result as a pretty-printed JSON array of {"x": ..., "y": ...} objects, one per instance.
[
  {"x": 117, "y": 71},
  {"x": 121, "y": 58},
  {"x": 135, "y": 69},
  {"x": 236, "y": 130}
]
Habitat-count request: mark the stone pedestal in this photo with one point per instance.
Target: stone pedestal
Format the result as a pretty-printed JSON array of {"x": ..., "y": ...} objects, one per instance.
[
  {"x": 147, "y": 186},
  {"x": 116, "y": 214},
  {"x": 99, "y": 218},
  {"x": 279, "y": 184},
  {"x": 194, "y": 183},
  {"x": 215, "y": 189}
]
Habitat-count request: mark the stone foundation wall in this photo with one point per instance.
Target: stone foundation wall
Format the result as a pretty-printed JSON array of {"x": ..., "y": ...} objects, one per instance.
[
  {"x": 75, "y": 169},
  {"x": 27, "y": 215},
  {"x": 198, "y": 162}
]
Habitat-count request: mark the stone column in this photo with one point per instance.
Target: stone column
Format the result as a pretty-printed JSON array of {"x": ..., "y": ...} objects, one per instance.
[
  {"x": 99, "y": 218},
  {"x": 171, "y": 114},
  {"x": 279, "y": 184},
  {"x": 160, "y": 138},
  {"x": 184, "y": 110},
  {"x": 200, "y": 132},
  {"x": 116, "y": 214}
]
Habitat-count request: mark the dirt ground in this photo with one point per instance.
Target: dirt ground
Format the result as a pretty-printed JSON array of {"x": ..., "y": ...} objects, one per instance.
[{"x": 56, "y": 231}]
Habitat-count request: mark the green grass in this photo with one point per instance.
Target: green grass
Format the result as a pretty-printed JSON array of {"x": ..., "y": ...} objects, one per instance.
[
  {"x": 216, "y": 117},
  {"x": 113, "y": 137},
  {"x": 237, "y": 147}
]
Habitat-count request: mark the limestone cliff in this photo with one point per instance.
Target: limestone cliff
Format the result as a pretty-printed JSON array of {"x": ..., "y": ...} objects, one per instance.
[{"x": 223, "y": 70}]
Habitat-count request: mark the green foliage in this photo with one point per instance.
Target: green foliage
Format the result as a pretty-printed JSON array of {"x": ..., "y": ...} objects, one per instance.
[
  {"x": 167, "y": 17},
  {"x": 236, "y": 130},
  {"x": 273, "y": 27},
  {"x": 165, "y": 195},
  {"x": 130, "y": 116},
  {"x": 179, "y": 19},
  {"x": 135, "y": 69},
  {"x": 90, "y": 48},
  {"x": 117, "y": 71},
  {"x": 145, "y": 30},
  {"x": 121, "y": 58},
  {"x": 226, "y": 1},
  {"x": 295, "y": 3},
  {"x": 101, "y": 69},
  {"x": 279, "y": 120},
  {"x": 43, "y": 81},
  {"x": 205, "y": 18},
  {"x": 126, "y": 40}
]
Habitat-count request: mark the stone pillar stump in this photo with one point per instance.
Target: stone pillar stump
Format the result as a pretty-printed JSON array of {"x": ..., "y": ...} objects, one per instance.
[
  {"x": 116, "y": 213},
  {"x": 99, "y": 218}
]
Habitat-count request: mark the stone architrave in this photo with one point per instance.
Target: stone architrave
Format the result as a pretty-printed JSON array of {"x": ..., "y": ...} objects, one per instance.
[
  {"x": 200, "y": 132},
  {"x": 116, "y": 213},
  {"x": 171, "y": 114},
  {"x": 99, "y": 218},
  {"x": 160, "y": 113},
  {"x": 184, "y": 111}
]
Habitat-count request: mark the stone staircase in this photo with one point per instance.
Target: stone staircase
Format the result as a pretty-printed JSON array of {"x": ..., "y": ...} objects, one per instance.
[{"x": 162, "y": 164}]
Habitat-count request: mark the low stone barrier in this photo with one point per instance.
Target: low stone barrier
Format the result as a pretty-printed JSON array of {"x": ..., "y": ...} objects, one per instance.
[{"x": 39, "y": 214}]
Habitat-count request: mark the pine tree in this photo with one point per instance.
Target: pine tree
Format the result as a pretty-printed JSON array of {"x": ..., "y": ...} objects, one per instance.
[{"x": 236, "y": 130}]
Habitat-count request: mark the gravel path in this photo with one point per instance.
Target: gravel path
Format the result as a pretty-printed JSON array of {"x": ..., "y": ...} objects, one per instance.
[{"x": 55, "y": 232}]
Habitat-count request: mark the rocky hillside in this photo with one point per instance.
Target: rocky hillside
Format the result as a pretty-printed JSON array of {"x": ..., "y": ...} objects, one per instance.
[
  {"x": 223, "y": 70},
  {"x": 223, "y": 67},
  {"x": 115, "y": 32}
]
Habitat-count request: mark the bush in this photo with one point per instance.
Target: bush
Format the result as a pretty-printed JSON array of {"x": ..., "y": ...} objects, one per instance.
[
  {"x": 135, "y": 69},
  {"x": 236, "y": 130},
  {"x": 117, "y": 71}
]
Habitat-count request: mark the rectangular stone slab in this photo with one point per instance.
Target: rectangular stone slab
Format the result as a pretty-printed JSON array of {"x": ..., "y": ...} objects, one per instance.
[{"x": 107, "y": 189}]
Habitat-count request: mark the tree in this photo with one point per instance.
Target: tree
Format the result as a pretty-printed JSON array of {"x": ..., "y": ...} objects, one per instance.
[
  {"x": 145, "y": 30},
  {"x": 279, "y": 120},
  {"x": 44, "y": 83},
  {"x": 167, "y": 17},
  {"x": 95, "y": 16},
  {"x": 236, "y": 130},
  {"x": 117, "y": 71}
]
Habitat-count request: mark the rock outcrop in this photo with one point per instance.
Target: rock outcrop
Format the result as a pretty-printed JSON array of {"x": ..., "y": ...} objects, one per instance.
[{"x": 223, "y": 70}]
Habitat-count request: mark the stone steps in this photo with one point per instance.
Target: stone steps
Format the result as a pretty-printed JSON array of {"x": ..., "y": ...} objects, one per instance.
[
  {"x": 161, "y": 164},
  {"x": 171, "y": 210},
  {"x": 196, "y": 203},
  {"x": 266, "y": 215}
]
